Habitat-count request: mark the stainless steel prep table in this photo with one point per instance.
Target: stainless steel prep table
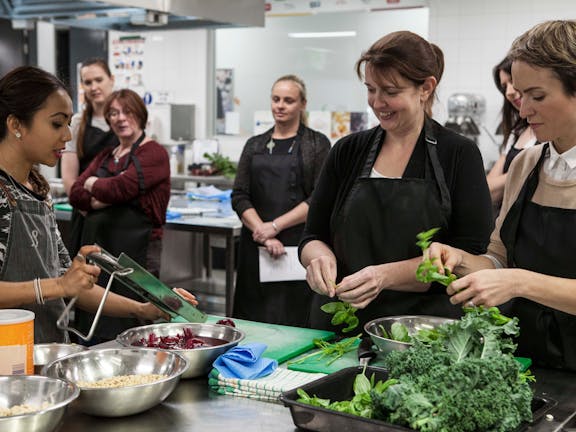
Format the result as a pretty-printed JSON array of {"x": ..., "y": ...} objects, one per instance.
[
  {"x": 207, "y": 226},
  {"x": 193, "y": 407}
]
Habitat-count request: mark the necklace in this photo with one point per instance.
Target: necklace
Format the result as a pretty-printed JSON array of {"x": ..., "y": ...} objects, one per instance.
[{"x": 118, "y": 154}]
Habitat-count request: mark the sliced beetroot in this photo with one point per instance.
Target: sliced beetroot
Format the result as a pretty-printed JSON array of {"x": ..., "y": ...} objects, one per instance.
[
  {"x": 185, "y": 340},
  {"x": 227, "y": 322}
]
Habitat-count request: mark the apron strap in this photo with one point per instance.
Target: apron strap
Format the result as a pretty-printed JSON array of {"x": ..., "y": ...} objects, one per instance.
[
  {"x": 103, "y": 170},
  {"x": 431, "y": 142},
  {"x": 137, "y": 164},
  {"x": 509, "y": 229}
]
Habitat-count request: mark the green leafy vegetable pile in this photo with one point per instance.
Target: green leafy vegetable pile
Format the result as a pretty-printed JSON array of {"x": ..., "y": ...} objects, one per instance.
[
  {"x": 222, "y": 164},
  {"x": 464, "y": 380},
  {"x": 427, "y": 271},
  {"x": 343, "y": 314},
  {"x": 360, "y": 405}
]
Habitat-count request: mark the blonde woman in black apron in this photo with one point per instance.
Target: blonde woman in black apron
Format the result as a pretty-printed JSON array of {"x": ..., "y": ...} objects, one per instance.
[
  {"x": 276, "y": 175},
  {"x": 380, "y": 188},
  {"x": 90, "y": 135},
  {"x": 530, "y": 266},
  {"x": 36, "y": 272}
]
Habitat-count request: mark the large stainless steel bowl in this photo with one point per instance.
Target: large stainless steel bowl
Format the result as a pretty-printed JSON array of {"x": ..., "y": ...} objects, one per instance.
[
  {"x": 35, "y": 391},
  {"x": 413, "y": 324},
  {"x": 200, "y": 359},
  {"x": 97, "y": 364},
  {"x": 48, "y": 352}
]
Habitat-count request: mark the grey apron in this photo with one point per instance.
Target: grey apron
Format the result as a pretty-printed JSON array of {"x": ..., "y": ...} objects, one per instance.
[{"x": 31, "y": 252}]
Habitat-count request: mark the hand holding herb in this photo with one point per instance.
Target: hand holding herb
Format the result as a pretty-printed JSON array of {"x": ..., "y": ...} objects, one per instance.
[
  {"x": 427, "y": 271},
  {"x": 343, "y": 313}
]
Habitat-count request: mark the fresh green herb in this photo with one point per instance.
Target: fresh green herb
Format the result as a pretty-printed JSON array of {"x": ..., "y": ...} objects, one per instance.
[
  {"x": 399, "y": 332},
  {"x": 360, "y": 404},
  {"x": 465, "y": 380},
  {"x": 427, "y": 271},
  {"x": 343, "y": 313},
  {"x": 331, "y": 351},
  {"x": 223, "y": 164}
]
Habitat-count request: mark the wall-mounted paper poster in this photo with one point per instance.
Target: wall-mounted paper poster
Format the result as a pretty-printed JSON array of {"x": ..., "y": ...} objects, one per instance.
[
  {"x": 340, "y": 124},
  {"x": 128, "y": 62},
  {"x": 224, "y": 97},
  {"x": 263, "y": 120}
]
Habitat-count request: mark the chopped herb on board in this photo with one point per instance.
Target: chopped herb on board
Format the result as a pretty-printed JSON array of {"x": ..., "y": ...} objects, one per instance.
[
  {"x": 331, "y": 351},
  {"x": 427, "y": 271}
]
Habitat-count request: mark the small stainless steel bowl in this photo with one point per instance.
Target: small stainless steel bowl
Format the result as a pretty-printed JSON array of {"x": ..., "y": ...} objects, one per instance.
[
  {"x": 48, "y": 352},
  {"x": 97, "y": 364},
  {"x": 200, "y": 359},
  {"x": 413, "y": 324},
  {"x": 35, "y": 391}
]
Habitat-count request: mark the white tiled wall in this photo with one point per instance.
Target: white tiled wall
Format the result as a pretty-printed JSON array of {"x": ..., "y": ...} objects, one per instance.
[{"x": 475, "y": 35}]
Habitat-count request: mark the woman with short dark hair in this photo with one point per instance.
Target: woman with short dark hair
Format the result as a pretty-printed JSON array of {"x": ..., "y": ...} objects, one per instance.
[{"x": 125, "y": 193}]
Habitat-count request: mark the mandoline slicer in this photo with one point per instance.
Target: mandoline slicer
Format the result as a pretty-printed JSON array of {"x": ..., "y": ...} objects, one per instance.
[{"x": 131, "y": 275}]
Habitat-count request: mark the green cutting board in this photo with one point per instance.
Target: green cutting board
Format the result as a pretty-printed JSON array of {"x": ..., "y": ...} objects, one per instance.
[
  {"x": 283, "y": 342},
  {"x": 315, "y": 364}
]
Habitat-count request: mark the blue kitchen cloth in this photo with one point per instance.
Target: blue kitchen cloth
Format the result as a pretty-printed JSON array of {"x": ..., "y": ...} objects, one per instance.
[
  {"x": 245, "y": 362},
  {"x": 170, "y": 215}
]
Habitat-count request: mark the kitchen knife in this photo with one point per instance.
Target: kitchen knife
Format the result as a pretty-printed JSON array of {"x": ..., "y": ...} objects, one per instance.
[{"x": 365, "y": 352}]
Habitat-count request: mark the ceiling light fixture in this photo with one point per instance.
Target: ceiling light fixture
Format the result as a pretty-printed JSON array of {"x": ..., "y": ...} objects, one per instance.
[{"x": 323, "y": 34}]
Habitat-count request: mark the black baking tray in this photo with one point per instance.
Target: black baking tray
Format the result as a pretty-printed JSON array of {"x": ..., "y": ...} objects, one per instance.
[{"x": 338, "y": 386}]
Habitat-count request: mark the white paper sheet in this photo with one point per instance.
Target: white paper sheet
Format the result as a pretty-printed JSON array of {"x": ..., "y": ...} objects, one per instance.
[{"x": 285, "y": 268}]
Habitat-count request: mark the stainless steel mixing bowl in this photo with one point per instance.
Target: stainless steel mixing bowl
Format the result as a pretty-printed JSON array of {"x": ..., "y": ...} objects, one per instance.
[
  {"x": 97, "y": 364},
  {"x": 413, "y": 324},
  {"x": 48, "y": 352},
  {"x": 200, "y": 359},
  {"x": 35, "y": 391}
]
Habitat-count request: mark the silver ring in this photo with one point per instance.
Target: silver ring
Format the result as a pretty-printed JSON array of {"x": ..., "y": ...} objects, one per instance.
[
  {"x": 81, "y": 257},
  {"x": 471, "y": 303}
]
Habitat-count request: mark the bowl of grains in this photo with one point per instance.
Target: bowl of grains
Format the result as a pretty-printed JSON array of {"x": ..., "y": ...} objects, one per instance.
[
  {"x": 199, "y": 343},
  {"x": 31, "y": 403},
  {"x": 117, "y": 382}
]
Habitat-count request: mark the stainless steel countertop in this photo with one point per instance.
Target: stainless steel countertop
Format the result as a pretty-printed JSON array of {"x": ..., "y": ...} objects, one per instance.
[{"x": 193, "y": 407}]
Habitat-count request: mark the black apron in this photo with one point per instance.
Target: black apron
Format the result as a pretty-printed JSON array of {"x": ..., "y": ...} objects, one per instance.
[
  {"x": 378, "y": 224},
  {"x": 276, "y": 188},
  {"x": 95, "y": 140},
  {"x": 541, "y": 239},
  {"x": 118, "y": 228},
  {"x": 512, "y": 153}
]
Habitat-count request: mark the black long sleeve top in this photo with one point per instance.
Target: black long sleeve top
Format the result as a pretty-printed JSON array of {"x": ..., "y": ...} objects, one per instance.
[{"x": 471, "y": 222}]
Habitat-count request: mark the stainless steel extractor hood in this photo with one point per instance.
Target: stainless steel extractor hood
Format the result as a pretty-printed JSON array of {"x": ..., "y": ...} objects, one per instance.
[{"x": 138, "y": 15}]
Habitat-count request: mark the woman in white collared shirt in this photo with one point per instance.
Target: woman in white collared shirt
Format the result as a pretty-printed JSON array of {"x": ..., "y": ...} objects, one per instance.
[{"x": 529, "y": 270}]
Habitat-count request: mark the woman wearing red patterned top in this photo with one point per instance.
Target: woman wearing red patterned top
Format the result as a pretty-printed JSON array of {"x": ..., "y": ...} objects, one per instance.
[{"x": 125, "y": 192}]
